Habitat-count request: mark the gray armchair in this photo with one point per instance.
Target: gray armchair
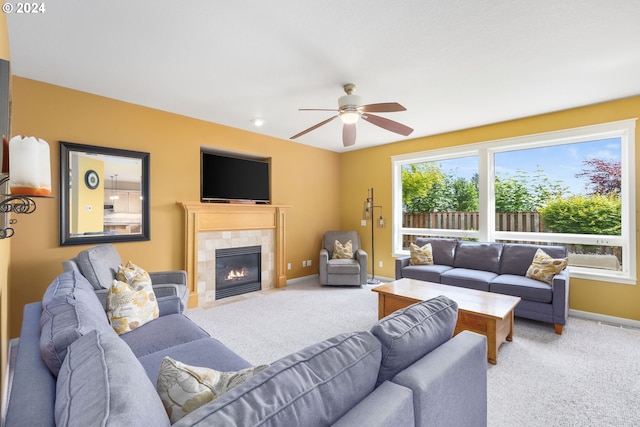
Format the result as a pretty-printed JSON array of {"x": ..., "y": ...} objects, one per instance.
[
  {"x": 342, "y": 271},
  {"x": 100, "y": 264}
]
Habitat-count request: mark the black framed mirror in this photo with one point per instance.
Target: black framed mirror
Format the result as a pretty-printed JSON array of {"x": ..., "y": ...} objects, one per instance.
[{"x": 104, "y": 195}]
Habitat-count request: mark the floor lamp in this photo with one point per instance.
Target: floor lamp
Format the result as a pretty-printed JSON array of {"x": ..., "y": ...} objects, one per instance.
[{"x": 369, "y": 215}]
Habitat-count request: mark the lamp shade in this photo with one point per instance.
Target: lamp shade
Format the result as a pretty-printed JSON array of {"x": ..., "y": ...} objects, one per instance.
[{"x": 29, "y": 166}]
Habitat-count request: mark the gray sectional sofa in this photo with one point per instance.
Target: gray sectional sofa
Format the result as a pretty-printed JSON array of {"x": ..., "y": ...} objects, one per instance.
[
  {"x": 495, "y": 267},
  {"x": 72, "y": 369}
]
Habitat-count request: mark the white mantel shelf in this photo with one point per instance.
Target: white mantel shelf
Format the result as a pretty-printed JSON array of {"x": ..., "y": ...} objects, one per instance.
[{"x": 228, "y": 217}]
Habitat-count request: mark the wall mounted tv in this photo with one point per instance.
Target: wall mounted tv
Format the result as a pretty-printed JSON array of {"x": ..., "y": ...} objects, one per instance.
[{"x": 226, "y": 178}]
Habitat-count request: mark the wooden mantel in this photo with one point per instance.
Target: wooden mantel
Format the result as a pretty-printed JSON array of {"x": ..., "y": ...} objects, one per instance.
[{"x": 228, "y": 217}]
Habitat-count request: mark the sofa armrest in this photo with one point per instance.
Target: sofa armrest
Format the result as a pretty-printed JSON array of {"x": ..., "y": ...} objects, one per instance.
[
  {"x": 400, "y": 264},
  {"x": 33, "y": 390},
  {"x": 175, "y": 277},
  {"x": 322, "y": 266},
  {"x": 560, "y": 300},
  {"x": 363, "y": 260},
  {"x": 389, "y": 405},
  {"x": 169, "y": 305},
  {"x": 449, "y": 384}
]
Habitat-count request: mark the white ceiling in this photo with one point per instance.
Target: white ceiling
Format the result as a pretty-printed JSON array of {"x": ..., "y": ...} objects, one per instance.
[{"x": 453, "y": 64}]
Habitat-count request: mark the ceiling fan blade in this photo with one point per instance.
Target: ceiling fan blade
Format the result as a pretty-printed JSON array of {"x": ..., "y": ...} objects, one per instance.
[
  {"x": 348, "y": 134},
  {"x": 314, "y": 127},
  {"x": 387, "y": 124},
  {"x": 385, "y": 107}
]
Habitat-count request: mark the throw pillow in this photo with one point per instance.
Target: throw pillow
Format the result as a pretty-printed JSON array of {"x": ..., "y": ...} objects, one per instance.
[
  {"x": 543, "y": 267},
  {"x": 421, "y": 255},
  {"x": 131, "y": 301},
  {"x": 341, "y": 251},
  {"x": 183, "y": 388}
]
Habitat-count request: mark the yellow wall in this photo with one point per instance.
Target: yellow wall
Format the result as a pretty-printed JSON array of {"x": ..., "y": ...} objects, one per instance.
[
  {"x": 86, "y": 220},
  {"x": 303, "y": 177},
  {"x": 5, "y": 245},
  {"x": 371, "y": 167}
]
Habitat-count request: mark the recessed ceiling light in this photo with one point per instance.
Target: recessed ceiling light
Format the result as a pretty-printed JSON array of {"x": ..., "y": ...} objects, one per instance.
[{"x": 258, "y": 122}]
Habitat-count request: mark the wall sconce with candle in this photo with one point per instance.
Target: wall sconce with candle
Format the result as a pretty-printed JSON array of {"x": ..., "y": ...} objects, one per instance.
[{"x": 29, "y": 176}]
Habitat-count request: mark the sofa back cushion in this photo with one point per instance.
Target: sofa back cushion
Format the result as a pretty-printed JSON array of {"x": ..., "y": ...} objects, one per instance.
[
  {"x": 102, "y": 383},
  {"x": 478, "y": 256},
  {"x": 313, "y": 387},
  {"x": 410, "y": 333},
  {"x": 443, "y": 250},
  {"x": 70, "y": 309},
  {"x": 330, "y": 237},
  {"x": 516, "y": 258},
  {"x": 99, "y": 265}
]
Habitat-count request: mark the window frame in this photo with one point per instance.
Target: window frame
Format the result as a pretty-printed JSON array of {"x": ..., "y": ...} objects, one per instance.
[{"x": 623, "y": 129}]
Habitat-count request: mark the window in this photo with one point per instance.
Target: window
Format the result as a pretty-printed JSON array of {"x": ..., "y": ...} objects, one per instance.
[{"x": 574, "y": 188}]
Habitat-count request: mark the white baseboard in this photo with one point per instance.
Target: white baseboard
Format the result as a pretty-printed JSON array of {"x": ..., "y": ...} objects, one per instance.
[{"x": 605, "y": 319}]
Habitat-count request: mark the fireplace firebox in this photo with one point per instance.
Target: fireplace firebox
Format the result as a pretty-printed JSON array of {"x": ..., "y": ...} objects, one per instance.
[{"x": 238, "y": 271}]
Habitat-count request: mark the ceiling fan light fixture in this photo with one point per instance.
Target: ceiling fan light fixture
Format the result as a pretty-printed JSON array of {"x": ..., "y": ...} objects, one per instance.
[{"x": 349, "y": 117}]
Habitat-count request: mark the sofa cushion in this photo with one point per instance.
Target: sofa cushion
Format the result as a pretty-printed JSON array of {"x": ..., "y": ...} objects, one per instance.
[
  {"x": 421, "y": 255},
  {"x": 443, "y": 250},
  {"x": 131, "y": 301},
  {"x": 428, "y": 273},
  {"x": 197, "y": 353},
  {"x": 313, "y": 387},
  {"x": 70, "y": 309},
  {"x": 163, "y": 333},
  {"x": 102, "y": 383},
  {"x": 410, "y": 333},
  {"x": 466, "y": 278},
  {"x": 523, "y": 287},
  {"x": 478, "y": 256},
  {"x": 544, "y": 267},
  {"x": 99, "y": 265},
  {"x": 516, "y": 258},
  {"x": 341, "y": 251},
  {"x": 184, "y": 388},
  {"x": 343, "y": 266}
]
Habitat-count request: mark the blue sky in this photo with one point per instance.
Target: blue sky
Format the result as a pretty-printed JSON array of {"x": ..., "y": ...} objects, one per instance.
[{"x": 560, "y": 163}]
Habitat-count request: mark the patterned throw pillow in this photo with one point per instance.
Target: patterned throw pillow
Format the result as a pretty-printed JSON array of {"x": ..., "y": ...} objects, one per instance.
[
  {"x": 543, "y": 267},
  {"x": 341, "y": 251},
  {"x": 185, "y": 388},
  {"x": 130, "y": 299},
  {"x": 421, "y": 255}
]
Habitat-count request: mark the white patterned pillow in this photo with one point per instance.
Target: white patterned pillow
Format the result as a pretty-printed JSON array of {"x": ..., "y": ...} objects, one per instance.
[
  {"x": 341, "y": 251},
  {"x": 421, "y": 255},
  {"x": 543, "y": 267},
  {"x": 130, "y": 299},
  {"x": 185, "y": 388}
]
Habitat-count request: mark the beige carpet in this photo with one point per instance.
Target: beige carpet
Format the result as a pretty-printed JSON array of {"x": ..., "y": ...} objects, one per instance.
[{"x": 589, "y": 376}]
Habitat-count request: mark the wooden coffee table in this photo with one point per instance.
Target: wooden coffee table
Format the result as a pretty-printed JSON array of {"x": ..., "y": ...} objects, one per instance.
[{"x": 486, "y": 313}]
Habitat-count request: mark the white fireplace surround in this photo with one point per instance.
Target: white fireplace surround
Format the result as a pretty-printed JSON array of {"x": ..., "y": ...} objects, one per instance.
[{"x": 210, "y": 241}]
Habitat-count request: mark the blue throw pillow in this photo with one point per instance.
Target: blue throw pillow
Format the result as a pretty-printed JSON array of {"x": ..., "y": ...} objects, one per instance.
[
  {"x": 101, "y": 383},
  {"x": 410, "y": 333},
  {"x": 70, "y": 309}
]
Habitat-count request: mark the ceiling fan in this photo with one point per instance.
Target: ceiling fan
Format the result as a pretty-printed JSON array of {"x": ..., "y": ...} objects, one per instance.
[{"x": 350, "y": 110}]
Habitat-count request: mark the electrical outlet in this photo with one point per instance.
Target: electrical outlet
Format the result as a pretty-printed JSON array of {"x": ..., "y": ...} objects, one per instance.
[
  {"x": 308, "y": 263},
  {"x": 363, "y": 222},
  {"x": 380, "y": 264},
  {"x": 304, "y": 263},
  {"x": 289, "y": 266}
]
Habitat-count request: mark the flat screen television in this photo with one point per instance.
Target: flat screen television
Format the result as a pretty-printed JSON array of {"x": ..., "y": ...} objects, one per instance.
[{"x": 228, "y": 178}]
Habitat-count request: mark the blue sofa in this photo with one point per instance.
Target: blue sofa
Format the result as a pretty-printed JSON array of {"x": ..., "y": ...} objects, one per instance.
[
  {"x": 495, "y": 267},
  {"x": 73, "y": 370}
]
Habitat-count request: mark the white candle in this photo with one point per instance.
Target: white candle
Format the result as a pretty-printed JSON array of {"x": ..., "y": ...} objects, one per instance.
[{"x": 29, "y": 166}]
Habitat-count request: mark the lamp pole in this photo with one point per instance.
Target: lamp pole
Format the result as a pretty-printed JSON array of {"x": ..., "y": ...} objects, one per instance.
[{"x": 370, "y": 206}]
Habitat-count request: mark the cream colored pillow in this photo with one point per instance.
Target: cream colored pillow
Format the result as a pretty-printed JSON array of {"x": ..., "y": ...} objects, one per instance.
[
  {"x": 130, "y": 299},
  {"x": 421, "y": 255},
  {"x": 543, "y": 267},
  {"x": 185, "y": 388},
  {"x": 341, "y": 251}
]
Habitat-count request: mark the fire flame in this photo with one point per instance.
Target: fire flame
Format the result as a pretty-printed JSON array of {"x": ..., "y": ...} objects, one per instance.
[{"x": 237, "y": 274}]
